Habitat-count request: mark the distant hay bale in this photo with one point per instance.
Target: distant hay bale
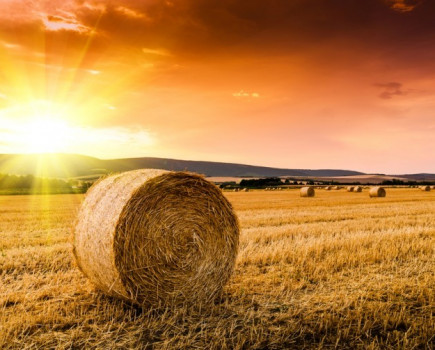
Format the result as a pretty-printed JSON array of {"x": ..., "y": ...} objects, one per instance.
[
  {"x": 377, "y": 192},
  {"x": 425, "y": 188},
  {"x": 154, "y": 237},
  {"x": 307, "y": 192},
  {"x": 328, "y": 188},
  {"x": 336, "y": 188},
  {"x": 357, "y": 189},
  {"x": 245, "y": 190},
  {"x": 350, "y": 188}
]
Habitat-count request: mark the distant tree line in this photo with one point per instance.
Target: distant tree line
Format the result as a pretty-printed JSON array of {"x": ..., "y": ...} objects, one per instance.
[
  {"x": 29, "y": 184},
  {"x": 276, "y": 182},
  {"x": 395, "y": 182},
  {"x": 260, "y": 183}
]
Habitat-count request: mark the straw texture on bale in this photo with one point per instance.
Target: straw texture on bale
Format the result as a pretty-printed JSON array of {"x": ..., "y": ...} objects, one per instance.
[
  {"x": 357, "y": 189},
  {"x": 377, "y": 192},
  {"x": 154, "y": 237},
  {"x": 350, "y": 189},
  {"x": 307, "y": 192}
]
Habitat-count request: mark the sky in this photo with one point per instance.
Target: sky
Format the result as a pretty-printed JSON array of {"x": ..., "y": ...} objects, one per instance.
[{"x": 337, "y": 84}]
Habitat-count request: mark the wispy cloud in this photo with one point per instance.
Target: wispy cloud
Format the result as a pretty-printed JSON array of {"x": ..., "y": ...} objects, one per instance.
[
  {"x": 126, "y": 11},
  {"x": 390, "y": 90},
  {"x": 245, "y": 94},
  {"x": 156, "y": 52},
  {"x": 100, "y": 7},
  {"x": 93, "y": 71},
  {"x": 9, "y": 45},
  {"x": 404, "y": 5},
  {"x": 66, "y": 22}
]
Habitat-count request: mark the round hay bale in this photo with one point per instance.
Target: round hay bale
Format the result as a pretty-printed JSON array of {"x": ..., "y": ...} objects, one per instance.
[
  {"x": 357, "y": 189},
  {"x": 154, "y": 237},
  {"x": 350, "y": 188},
  {"x": 377, "y": 192},
  {"x": 328, "y": 188},
  {"x": 307, "y": 192},
  {"x": 425, "y": 188},
  {"x": 246, "y": 190}
]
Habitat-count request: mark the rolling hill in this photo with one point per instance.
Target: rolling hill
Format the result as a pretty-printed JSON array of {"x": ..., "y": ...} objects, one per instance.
[{"x": 73, "y": 166}]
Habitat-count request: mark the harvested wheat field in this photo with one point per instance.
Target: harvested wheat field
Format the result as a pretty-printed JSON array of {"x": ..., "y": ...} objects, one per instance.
[{"x": 337, "y": 271}]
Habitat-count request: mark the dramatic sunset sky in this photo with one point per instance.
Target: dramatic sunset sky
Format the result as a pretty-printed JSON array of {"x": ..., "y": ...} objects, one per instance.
[{"x": 344, "y": 84}]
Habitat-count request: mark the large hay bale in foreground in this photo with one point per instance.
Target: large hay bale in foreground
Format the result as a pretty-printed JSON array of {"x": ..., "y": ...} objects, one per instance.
[
  {"x": 357, "y": 189},
  {"x": 307, "y": 192},
  {"x": 425, "y": 188},
  {"x": 350, "y": 188},
  {"x": 377, "y": 192},
  {"x": 154, "y": 237}
]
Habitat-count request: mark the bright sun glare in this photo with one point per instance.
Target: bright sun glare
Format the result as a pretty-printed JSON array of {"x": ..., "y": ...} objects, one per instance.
[
  {"x": 41, "y": 126},
  {"x": 46, "y": 135}
]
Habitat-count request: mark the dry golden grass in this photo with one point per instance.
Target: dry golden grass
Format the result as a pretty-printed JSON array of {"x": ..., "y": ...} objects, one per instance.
[{"x": 338, "y": 270}]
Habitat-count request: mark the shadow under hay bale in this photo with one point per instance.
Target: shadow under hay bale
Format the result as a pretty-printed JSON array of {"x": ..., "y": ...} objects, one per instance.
[
  {"x": 307, "y": 192},
  {"x": 377, "y": 192},
  {"x": 154, "y": 238}
]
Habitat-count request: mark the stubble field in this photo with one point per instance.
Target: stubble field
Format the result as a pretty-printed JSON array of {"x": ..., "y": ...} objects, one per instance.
[{"x": 339, "y": 270}]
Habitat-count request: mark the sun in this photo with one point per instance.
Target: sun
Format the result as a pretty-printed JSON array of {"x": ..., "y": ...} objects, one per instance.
[{"x": 46, "y": 135}]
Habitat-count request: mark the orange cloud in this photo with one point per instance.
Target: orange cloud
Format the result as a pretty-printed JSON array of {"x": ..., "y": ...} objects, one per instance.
[
  {"x": 391, "y": 89},
  {"x": 156, "y": 52},
  {"x": 404, "y": 5},
  {"x": 130, "y": 12},
  {"x": 244, "y": 94},
  {"x": 100, "y": 7},
  {"x": 69, "y": 23}
]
